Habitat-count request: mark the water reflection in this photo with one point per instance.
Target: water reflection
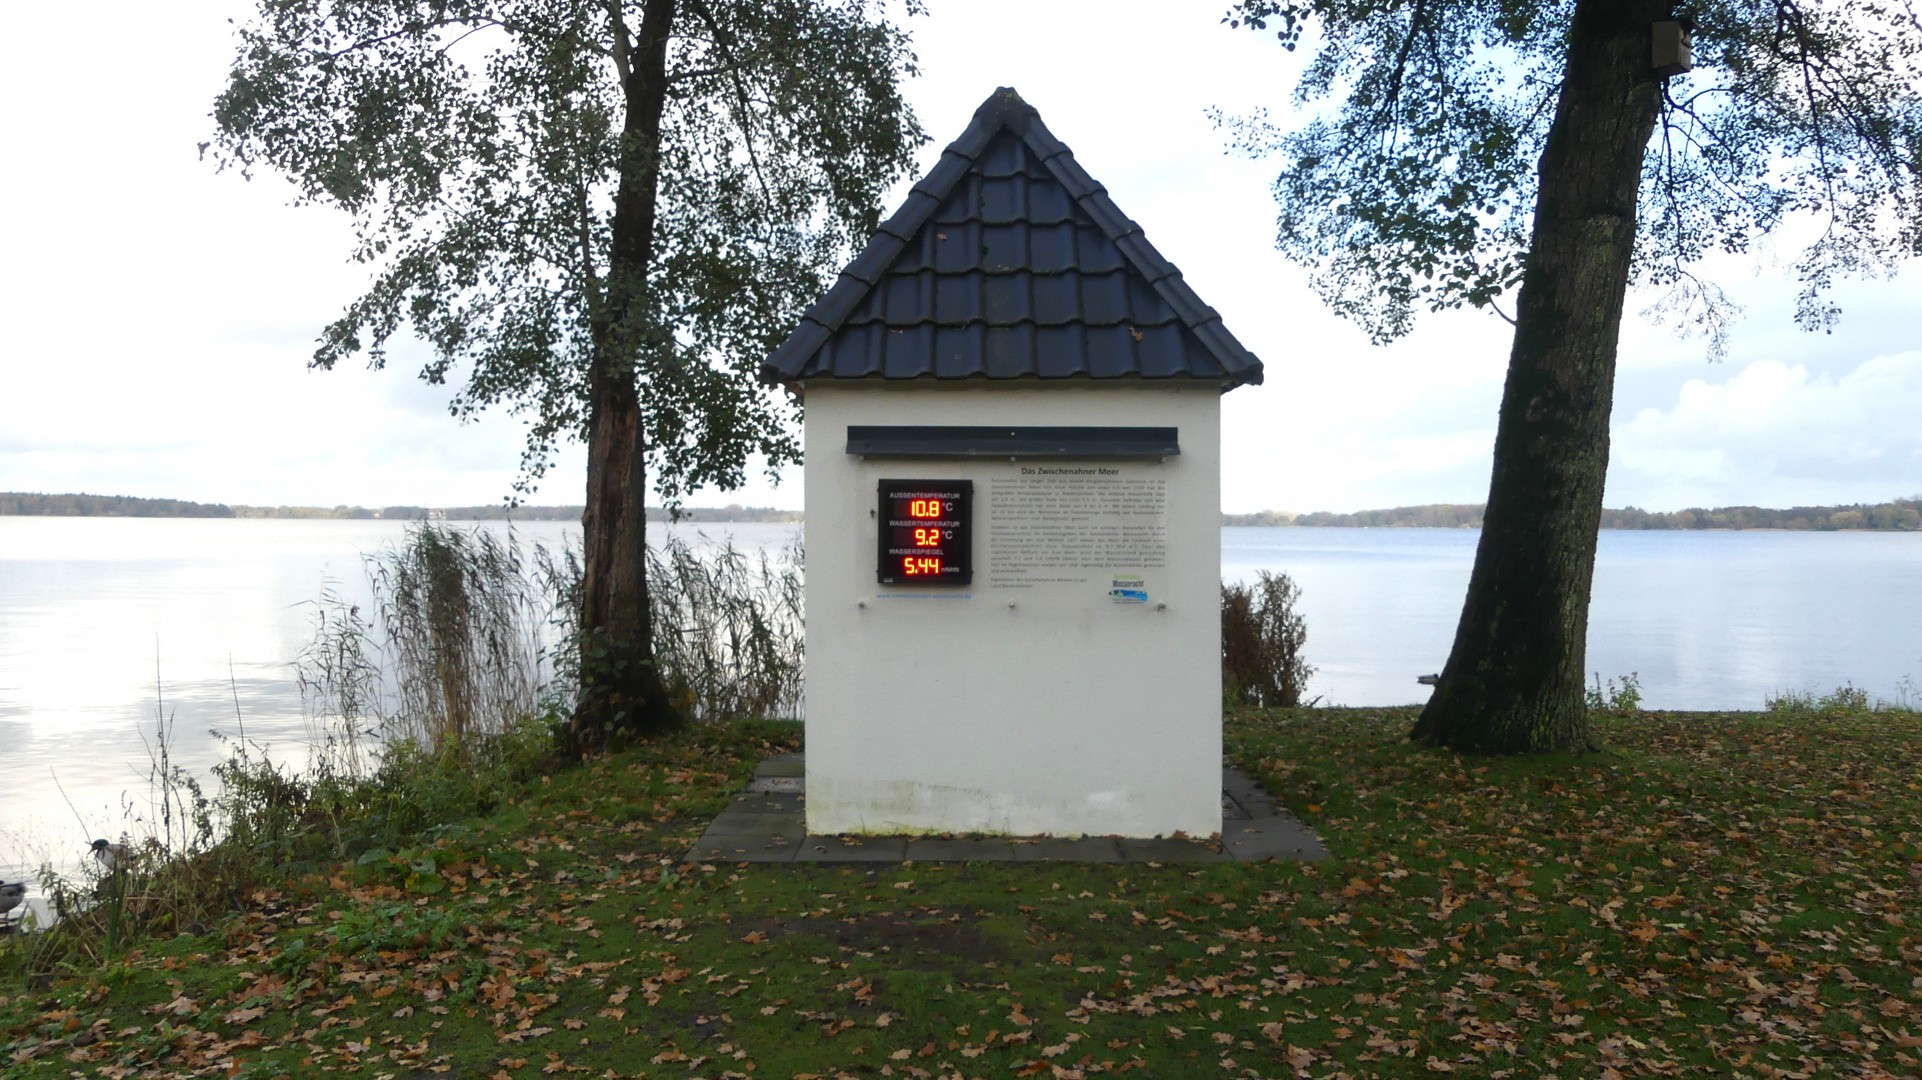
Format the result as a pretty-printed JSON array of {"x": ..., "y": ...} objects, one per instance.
[
  {"x": 1708, "y": 619},
  {"x": 103, "y": 619},
  {"x": 107, "y": 624}
]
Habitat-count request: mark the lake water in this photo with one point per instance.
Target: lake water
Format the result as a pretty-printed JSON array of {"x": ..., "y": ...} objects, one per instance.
[{"x": 105, "y": 622}]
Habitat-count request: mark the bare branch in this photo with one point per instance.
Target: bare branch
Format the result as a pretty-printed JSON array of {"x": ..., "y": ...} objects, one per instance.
[
  {"x": 733, "y": 68},
  {"x": 623, "y": 63}
]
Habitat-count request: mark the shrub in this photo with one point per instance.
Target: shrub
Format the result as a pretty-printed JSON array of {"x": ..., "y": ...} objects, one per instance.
[
  {"x": 1846, "y": 699},
  {"x": 1625, "y": 698},
  {"x": 1261, "y": 641}
]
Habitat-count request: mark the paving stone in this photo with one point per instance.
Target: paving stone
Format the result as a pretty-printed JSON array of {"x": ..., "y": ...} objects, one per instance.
[
  {"x": 933, "y": 849},
  {"x": 1271, "y": 838},
  {"x": 1056, "y": 849},
  {"x": 792, "y": 785},
  {"x": 746, "y": 847},
  {"x": 733, "y": 823},
  {"x": 769, "y": 803},
  {"x": 1270, "y": 831},
  {"x": 767, "y": 824},
  {"x": 852, "y": 849},
  {"x": 1167, "y": 851}
]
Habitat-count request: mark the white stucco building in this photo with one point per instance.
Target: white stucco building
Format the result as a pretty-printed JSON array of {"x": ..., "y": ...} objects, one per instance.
[{"x": 1013, "y": 511}]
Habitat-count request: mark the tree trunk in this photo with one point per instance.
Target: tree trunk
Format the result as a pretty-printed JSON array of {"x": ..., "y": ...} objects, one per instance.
[
  {"x": 1514, "y": 681},
  {"x": 621, "y": 690}
]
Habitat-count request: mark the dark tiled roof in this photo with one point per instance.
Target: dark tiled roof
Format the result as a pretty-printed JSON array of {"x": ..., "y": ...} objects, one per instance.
[{"x": 1009, "y": 261}]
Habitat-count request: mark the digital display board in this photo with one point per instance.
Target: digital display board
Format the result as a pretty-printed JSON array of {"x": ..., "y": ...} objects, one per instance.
[{"x": 925, "y": 532}]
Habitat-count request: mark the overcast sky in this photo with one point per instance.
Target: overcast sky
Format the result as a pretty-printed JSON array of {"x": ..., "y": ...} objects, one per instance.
[{"x": 158, "y": 316}]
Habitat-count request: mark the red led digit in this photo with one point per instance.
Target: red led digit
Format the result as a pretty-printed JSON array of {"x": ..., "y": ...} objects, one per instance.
[
  {"x": 927, "y": 538},
  {"x": 924, "y": 508}
]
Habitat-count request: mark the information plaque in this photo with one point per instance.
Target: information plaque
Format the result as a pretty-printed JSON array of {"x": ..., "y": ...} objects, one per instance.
[{"x": 925, "y": 532}]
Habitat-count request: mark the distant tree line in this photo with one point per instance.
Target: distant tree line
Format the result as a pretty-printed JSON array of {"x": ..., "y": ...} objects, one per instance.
[
  {"x": 1897, "y": 515},
  {"x": 1900, "y": 514},
  {"x": 26, "y": 504},
  {"x": 34, "y": 505}
]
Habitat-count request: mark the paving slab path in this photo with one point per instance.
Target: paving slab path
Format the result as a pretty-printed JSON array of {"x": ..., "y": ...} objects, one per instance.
[{"x": 768, "y": 823}]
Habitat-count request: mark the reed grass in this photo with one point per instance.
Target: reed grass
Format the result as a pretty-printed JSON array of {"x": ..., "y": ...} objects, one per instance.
[
  {"x": 728, "y": 630},
  {"x": 429, "y": 702}
]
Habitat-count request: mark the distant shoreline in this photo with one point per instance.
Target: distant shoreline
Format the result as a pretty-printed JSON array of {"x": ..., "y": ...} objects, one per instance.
[
  {"x": 22, "y": 504},
  {"x": 1898, "y": 515}
]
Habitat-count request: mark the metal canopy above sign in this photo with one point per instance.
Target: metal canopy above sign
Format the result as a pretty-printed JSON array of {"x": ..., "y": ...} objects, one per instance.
[{"x": 938, "y": 441}]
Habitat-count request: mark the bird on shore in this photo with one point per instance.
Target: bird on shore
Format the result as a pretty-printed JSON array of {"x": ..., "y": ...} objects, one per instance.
[
  {"x": 112, "y": 856},
  {"x": 11, "y": 893}
]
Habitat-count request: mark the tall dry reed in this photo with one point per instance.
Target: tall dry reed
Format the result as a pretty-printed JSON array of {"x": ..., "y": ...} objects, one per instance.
[
  {"x": 451, "y": 655},
  {"x": 728, "y": 629}
]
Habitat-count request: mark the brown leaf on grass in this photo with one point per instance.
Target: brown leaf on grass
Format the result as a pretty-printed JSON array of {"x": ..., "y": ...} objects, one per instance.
[
  {"x": 1019, "y": 1018},
  {"x": 244, "y": 1016}
]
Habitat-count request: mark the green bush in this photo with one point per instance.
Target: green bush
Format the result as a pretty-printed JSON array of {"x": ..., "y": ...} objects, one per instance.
[
  {"x": 1846, "y": 699},
  {"x": 1261, "y": 644},
  {"x": 1611, "y": 697}
]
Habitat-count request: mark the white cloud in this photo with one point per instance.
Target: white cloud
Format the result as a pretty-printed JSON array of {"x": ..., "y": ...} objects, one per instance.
[
  {"x": 159, "y": 315},
  {"x": 1776, "y": 434}
]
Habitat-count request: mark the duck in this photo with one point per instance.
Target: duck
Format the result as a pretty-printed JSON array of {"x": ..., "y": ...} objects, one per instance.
[
  {"x": 11, "y": 894},
  {"x": 112, "y": 856}
]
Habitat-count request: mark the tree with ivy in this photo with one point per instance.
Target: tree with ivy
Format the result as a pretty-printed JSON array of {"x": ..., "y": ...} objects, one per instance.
[
  {"x": 1460, "y": 151},
  {"x": 600, "y": 214}
]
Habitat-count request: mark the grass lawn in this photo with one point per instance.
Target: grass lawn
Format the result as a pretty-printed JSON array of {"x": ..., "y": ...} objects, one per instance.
[{"x": 1735, "y": 894}]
